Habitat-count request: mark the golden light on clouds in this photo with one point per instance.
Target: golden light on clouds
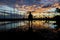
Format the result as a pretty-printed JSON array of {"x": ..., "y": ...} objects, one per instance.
[{"x": 37, "y": 9}]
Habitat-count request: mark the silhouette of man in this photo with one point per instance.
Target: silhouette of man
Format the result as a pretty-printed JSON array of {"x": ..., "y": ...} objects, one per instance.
[{"x": 30, "y": 17}]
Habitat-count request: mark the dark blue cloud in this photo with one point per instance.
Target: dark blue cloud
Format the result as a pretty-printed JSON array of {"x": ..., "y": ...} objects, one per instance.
[
  {"x": 27, "y": 2},
  {"x": 8, "y": 2}
]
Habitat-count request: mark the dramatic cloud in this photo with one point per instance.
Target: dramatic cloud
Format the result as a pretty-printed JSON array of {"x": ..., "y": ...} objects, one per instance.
[
  {"x": 5, "y": 8},
  {"x": 30, "y": 3}
]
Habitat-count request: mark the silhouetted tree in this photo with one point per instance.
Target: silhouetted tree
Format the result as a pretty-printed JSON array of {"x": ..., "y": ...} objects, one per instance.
[
  {"x": 58, "y": 10},
  {"x": 57, "y": 18}
]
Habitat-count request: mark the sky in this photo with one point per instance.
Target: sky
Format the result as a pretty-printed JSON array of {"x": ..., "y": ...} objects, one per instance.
[
  {"x": 28, "y": 2},
  {"x": 38, "y": 3},
  {"x": 29, "y": 5}
]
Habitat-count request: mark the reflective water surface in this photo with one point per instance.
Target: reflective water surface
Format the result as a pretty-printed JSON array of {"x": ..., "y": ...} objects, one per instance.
[{"x": 35, "y": 24}]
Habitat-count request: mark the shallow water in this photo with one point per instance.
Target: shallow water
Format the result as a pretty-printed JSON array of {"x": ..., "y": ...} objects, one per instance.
[{"x": 35, "y": 24}]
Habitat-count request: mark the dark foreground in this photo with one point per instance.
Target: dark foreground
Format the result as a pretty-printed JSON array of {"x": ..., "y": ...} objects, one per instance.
[{"x": 42, "y": 34}]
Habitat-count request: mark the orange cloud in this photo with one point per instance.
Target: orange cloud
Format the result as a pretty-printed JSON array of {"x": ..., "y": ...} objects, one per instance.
[{"x": 37, "y": 9}]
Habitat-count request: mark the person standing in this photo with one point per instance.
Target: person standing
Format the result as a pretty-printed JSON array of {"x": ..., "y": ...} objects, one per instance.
[{"x": 30, "y": 17}]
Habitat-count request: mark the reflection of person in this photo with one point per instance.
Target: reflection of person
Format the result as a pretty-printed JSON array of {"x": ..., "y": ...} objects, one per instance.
[{"x": 30, "y": 17}]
